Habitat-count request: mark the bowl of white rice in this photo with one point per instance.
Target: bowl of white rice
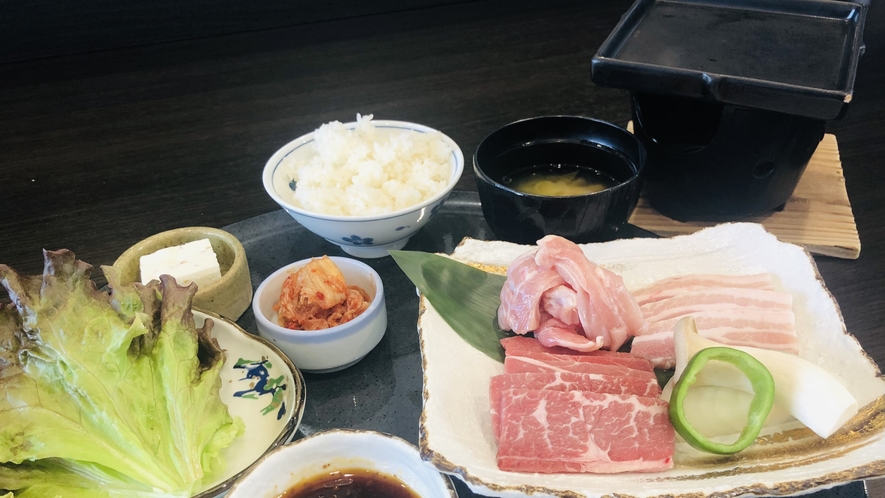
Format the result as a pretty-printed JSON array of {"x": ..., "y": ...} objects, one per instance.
[{"x": 366, "y": 186}]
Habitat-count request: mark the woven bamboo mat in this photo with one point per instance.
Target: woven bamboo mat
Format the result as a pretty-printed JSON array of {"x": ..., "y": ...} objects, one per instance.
[{"x": 818, "y": 216}]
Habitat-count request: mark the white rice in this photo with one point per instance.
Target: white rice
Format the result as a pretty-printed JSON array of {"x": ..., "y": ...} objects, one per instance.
[{"x": 368, "y": 170}]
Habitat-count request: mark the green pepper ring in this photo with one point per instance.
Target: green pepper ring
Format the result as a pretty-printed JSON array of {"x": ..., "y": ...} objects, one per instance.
[{"x": 763, "y": 398}]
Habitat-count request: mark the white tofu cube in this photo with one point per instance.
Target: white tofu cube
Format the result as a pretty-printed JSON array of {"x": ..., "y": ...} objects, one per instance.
[{"x": 192, "y": 262}]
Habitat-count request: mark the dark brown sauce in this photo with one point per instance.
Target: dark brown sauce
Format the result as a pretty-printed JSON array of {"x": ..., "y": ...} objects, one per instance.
[{"x": 351, "y": 483}]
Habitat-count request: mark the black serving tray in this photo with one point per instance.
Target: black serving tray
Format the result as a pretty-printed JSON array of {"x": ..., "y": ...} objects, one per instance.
[
  {"x": 792, "y": 56},
  {"x": 383, "y": 392}
]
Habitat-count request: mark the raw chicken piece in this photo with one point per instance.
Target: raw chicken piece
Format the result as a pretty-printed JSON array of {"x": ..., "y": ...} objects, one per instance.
[
  {"x": 553, "y": 332},
  {"x": 605, "y": 307},
  {"x": 561, "y": 302},
  {"x": 567, "y": 300},
  {"x": 522, "y": 292}
]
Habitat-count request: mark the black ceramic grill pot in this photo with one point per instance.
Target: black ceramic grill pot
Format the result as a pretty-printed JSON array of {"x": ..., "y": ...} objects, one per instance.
[
  {"x": 730, "y": 97},
  {"x": 715, "y": 159}
]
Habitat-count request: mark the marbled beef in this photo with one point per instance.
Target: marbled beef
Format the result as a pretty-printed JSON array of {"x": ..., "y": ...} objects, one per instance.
[
  {"x": 551, "y": 431},
  {"x": 566, "y": 381}
]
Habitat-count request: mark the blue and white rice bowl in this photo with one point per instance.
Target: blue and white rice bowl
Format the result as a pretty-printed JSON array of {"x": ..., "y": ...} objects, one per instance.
[{"x": 361, "y": 236}]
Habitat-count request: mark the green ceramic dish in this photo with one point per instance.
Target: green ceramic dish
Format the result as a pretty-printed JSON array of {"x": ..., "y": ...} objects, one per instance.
[{"x": 230, "y": 296}]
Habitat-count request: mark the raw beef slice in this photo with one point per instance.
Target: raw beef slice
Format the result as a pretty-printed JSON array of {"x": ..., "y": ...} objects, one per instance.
[
  {"x": 580, "y": 431},
  {"x": 566, "y": 381}
]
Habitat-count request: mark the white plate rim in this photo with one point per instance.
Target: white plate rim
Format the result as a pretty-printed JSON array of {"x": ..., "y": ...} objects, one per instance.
[
  {"x": 297, "y": 412},
  {"x": 874, "y": 468}
]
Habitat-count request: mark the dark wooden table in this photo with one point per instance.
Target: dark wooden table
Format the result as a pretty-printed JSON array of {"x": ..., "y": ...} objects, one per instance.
[{"x": 101, "y": 148}]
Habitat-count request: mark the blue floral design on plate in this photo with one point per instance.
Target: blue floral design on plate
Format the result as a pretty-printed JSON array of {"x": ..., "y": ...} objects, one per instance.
[
  {"x": 262, "y": 383},
  {"x": 358, "y": 241},
  {"x": 403, "y": 228}
]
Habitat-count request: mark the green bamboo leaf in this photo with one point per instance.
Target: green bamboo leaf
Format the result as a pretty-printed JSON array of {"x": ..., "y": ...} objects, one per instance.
[{"x": 466, "y": 297}]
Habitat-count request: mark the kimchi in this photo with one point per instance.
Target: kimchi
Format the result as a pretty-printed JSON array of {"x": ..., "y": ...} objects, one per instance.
[{"x": 317, "y": 297}]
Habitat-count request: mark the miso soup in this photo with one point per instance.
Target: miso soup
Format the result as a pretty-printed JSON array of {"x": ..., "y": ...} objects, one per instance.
[{"x": 559, "y": 180}]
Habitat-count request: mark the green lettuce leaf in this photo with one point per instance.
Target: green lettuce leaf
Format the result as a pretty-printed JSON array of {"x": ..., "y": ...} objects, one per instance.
[
  {"x": 122, "y": 382},
  {"x": 51, "y": 477}
]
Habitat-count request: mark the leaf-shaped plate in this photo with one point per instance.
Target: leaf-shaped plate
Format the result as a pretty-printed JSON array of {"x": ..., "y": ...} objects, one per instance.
[
  {"x": 260, "y": 385},
  {"x": 456, "y": 433}
]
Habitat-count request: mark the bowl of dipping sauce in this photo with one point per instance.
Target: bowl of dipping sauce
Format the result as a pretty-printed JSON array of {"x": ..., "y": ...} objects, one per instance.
[
  {"x": 321, "y": 350},
  {"x": 213, "y": 259},
  {"x": 572, "y": 176},
  {"x": 366, "y": 186},
  {"x": 357, "y": 463}
]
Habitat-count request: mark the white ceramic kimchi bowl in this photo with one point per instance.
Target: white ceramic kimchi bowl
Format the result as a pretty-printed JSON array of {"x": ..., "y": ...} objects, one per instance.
[
  {"x": 340, "y": 449},
  {"x": 360, "y": 236},
  {"x": 332, "y": 349}
]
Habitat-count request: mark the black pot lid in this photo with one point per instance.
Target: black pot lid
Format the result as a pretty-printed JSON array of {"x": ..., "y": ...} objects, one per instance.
[{"x": 793, "y": 56}]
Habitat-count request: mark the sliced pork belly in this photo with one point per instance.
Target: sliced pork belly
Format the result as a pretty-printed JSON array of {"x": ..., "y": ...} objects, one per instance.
[
  {"x": 733, "y": 310},
  {"x": 551, "y": 431},
  {"x": 672, "y": 286},
  {"x": 566, "y": 381},
  {"x": 658, "y": 348},
  {"x": 716, "y": 299},
  {"x": 735, "y": 319},
  {"x": 757, "y": 328}
]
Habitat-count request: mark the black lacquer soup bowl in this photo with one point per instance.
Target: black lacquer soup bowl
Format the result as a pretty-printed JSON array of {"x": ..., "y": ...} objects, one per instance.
[{"x": 552, "y": 142}]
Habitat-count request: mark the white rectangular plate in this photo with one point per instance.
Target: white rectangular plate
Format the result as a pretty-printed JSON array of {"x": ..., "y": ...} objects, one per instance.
[{"x": 456, "y": 432}]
